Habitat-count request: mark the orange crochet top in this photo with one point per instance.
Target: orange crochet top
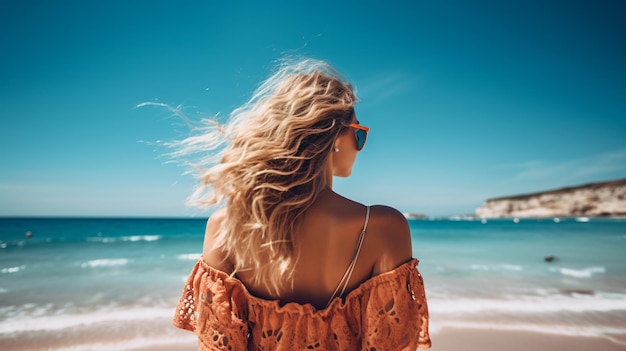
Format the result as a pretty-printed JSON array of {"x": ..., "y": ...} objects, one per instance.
[{"x": 387, "y": 312}]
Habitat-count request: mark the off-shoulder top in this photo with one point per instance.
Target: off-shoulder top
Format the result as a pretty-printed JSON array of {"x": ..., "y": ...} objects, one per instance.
[{"x": 386, "y": 312}]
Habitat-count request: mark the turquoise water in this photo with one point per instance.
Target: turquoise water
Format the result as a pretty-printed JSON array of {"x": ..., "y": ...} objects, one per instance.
[{"x": 113, "y": 283}]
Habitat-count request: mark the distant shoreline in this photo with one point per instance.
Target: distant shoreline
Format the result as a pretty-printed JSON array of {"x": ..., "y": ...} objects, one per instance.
[
  {"x": 594, "y": 185},
  {"x": 592, "y": 200}
]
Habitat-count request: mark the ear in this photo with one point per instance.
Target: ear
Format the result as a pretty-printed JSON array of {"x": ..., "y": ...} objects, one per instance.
[
  {"x": 340, "y": 140},
  {"x": 337, "y": 143}
]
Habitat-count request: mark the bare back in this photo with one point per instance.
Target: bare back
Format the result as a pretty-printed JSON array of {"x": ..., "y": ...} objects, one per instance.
[{"x": 325, "y": 241}]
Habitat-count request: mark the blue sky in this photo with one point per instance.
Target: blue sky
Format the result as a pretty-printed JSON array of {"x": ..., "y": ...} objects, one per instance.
[{"x": 466, "y": 100}]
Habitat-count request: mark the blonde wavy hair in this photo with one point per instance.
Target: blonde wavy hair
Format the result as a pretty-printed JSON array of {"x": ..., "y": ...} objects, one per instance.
[{"x": 266, "y": 164}]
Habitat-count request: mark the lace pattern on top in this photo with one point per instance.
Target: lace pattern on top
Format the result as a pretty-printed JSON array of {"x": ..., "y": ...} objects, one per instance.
[{"x": 387, "y": 312}]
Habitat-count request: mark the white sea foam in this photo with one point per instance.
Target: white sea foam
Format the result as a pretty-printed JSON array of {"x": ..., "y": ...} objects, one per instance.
[
  {"x": 579, "y": 273},
  {"x": 512, "y": 267},
  {"x": 37, "y": 321},
  {"x": 479, "y": 267},
  {"x": 189, "y": 256},
  {"x": 105, "y": 262},
  {"x": 102, "y": 240},
  {"x": 141, "y": 238},
  {"x": 132, "y": 238},
  {"x": 555, "y": 329},
  {"x": 597, "y": 302},
  {"x": 508, "y": 267},
  {"x": 12, "y": 269}
]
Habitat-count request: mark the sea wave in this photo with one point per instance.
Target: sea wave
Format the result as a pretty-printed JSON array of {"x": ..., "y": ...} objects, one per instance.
[
  {"x": 579, "y": 273},
  {"x": 57, "y": 320},
  {"x": 507, "y": 267},
  {"x": 12, "y": 269},
  {"x": 570, "y": 302},
  {"x": 131, "y": 238},
  {"x": 105, "y": 262},
  {"x": 513, "y": 267},
  {"x": 189, "y": 256},
  {"x": 141, "y": 238},
  {"x": 104, "y": 240}
]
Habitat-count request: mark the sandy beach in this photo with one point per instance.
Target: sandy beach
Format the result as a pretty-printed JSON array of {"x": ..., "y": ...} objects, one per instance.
[
  {"x": 497, "y": 340},
  {"x": 483, "y": 340}
]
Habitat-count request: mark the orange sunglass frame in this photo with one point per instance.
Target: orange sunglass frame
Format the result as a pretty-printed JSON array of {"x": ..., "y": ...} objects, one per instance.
[{"x": 360, "y": 127}]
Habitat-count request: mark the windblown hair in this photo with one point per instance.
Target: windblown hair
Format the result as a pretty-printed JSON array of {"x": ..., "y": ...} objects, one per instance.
[{"x": 272, "y": 166}]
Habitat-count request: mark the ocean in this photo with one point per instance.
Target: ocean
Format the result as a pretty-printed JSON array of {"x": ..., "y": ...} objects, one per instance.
[{"x": 113, "y": 284}]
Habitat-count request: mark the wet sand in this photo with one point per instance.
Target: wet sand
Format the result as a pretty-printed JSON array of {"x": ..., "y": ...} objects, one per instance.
[
  {"x": 482, "y": 340},
  {"x": 497, "y": 340}
]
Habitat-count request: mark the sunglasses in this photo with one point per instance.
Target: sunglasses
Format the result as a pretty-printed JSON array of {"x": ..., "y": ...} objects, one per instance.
[{"x": 360, "y": 134}]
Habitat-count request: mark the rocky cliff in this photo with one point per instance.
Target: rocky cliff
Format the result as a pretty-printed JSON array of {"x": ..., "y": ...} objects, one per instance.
[{"x": 602, "y": 199}]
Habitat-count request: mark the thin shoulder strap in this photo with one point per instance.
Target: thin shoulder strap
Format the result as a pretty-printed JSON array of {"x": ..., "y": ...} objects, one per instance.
[{"x": 346, "y": 276}]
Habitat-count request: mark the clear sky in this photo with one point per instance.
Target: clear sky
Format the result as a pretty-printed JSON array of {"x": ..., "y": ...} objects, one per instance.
[{"x": 466, "y": 100}]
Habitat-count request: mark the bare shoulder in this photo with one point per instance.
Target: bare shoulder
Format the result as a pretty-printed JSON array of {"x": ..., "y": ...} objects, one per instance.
[
  {"x": 389, "y": 216},
  {"x": 391, "y": 233},
  {"x": 211, "y": 254}
]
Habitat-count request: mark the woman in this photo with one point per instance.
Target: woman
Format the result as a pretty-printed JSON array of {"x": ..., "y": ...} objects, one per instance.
[{"x": 288, "y": 264}]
